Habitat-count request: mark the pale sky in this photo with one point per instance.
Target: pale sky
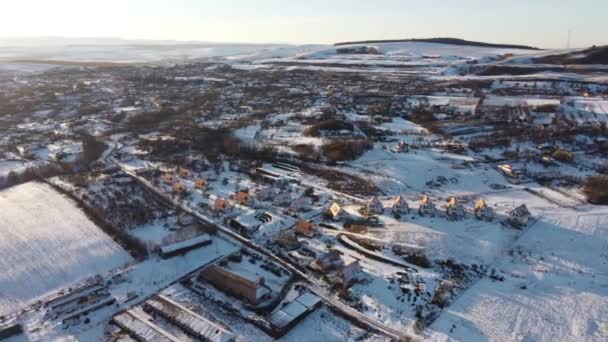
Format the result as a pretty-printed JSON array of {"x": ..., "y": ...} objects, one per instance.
[{"x": 542, "y": 23}]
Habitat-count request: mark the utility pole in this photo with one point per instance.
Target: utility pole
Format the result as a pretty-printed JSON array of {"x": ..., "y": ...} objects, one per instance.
[{"x": 569, "y": 38}]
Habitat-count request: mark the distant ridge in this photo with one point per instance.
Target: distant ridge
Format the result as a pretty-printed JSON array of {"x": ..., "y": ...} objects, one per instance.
[{"x": 450, "y": 41}]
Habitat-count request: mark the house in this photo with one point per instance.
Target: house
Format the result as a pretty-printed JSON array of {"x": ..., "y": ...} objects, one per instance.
[
  {"x": 454, "y": 147},
  {"x": 335, "y": 211},
  {"x": 178, "y": 188},
  {"x": 400, "y": 206},
  {"x": 338, "y": 268},
  {"x": 301, "y": 204},
  {"x": 184, "y": 219},
  {"x": 563, "y": 155},
  {"x": 200, "y": 183},
  {"x": 374, "y": 206},
  {"x": 266, "y": 194},
  {"x": 483, "y": 211},
  {"x": 455, "y": 210},
  {"x": 305, "y": 228},
  {"x": 221, "y": 205},
  {"x": 168, "y": 178},
  {"x": 283, "y": 199},
  {"x": 243, "y": 198},
  {"x": 426, "y": 206},
  {"x": 287, "y": 239},
  {"x": 330, "y": 261},
  {"x": 520, "y": 216},
  {"x": 401, "y": 147},
  {"x": 350, "y": 271},
  {"x": 510, "y": 172},
  {"x": 184, "y": 173}
]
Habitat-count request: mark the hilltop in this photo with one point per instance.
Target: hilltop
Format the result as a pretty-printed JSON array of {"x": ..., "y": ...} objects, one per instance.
[{"x": 449, "y": 41}]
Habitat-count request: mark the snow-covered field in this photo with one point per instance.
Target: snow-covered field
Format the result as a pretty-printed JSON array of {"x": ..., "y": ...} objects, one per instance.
[
  {"x": 138, "y": 52},
  {"x": 403, "y": 172},
  {"x": 25, "y": 68},
  {"x": 555, "y": 288},
  {"x": 46, "y": 242},
  {"x": 584, "y": 109}
]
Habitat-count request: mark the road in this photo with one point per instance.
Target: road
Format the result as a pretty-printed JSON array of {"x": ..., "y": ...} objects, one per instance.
[{"x": 313, "y": 284}]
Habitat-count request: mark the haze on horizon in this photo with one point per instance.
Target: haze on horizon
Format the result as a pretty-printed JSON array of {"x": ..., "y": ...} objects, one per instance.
[{"x": 541, "y": 23}]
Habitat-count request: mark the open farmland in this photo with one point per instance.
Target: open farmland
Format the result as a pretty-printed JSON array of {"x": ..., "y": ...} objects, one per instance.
[{"x": 46, "y": 242}]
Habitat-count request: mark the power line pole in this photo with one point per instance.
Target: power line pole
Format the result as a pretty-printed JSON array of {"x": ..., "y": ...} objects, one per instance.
[{"x": 569, "y": 38}]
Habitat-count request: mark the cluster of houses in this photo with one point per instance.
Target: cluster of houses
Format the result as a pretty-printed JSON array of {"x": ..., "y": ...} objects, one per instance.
[
  {"x": 454, "y": 210},
  {"x": 275, "y": 193}
]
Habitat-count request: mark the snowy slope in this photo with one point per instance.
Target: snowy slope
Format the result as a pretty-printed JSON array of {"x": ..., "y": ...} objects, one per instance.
[
  {"x": 392, "y": 57},
  {"x": 47, "y": 242}
]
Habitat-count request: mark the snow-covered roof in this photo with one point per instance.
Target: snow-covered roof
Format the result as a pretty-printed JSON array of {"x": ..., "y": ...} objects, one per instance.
[{"x": 172, "y": 248}]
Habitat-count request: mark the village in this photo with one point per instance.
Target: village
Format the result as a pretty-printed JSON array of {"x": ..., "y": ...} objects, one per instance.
[{"x": 255, "y": 199}]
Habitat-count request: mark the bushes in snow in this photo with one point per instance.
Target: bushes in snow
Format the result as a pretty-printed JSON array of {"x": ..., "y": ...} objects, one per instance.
[
  {"x": 341, "y": 150},
  {"x": 596, "y": 189},
  {"x": 328, "y": 125}
]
